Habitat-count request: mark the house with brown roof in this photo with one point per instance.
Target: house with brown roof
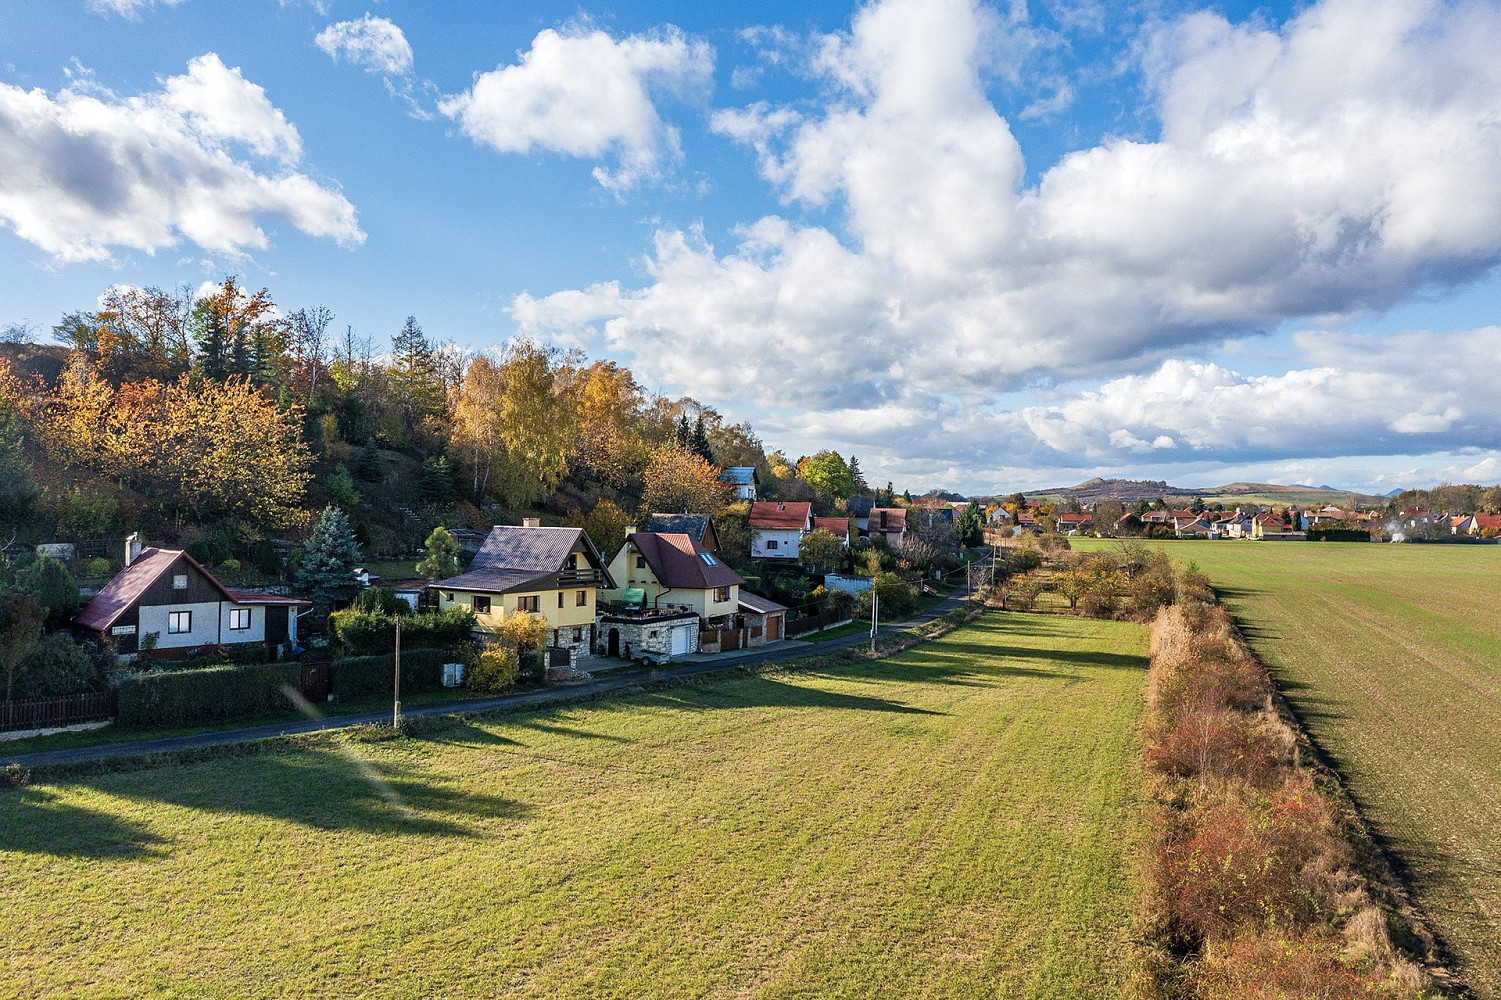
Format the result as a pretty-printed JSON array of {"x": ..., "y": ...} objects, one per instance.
[
  {"x": 555, "y": 573},
  {"x": 1075, "y": 523},
  {"x": 888, "y": 524},
  {"x": 664, "y": 589},
  {"x": 164, "y": 594},
  {"x": 777, "y": 528},
  {"x": 839, "y": 527}
]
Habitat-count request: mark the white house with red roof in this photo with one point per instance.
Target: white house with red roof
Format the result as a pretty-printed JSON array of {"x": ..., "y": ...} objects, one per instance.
[
  {"x": 166, "y": 593},
  {"x": 777, "y": 528}
]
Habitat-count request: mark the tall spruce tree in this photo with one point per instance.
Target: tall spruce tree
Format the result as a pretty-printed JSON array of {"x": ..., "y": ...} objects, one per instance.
[
  {"x": 699, "y": 442},
  {"x": 442, "y": 559},
  {"x": 858, "y": 478},
  {"x": 329, "y": 559}
]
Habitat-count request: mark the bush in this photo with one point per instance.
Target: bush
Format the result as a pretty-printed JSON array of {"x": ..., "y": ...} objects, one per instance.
[
  {"x": 365, "y": 633},
  {"x": 230, "y": 567},
  {"x": 1022, "y": 594},
  {"x": 237, "y": 654},
  {"x": 495, "y": 670},
  {"x": 366, "y": 676},
  {"x": 188, "y": 697},
  {"x": 53, "y": 587},
  {"x": 98, "y": 567},
  {"x": 376, "y": 600},
  {"x": 521, "y": 632},
  {"x": 58, "y": 666}
]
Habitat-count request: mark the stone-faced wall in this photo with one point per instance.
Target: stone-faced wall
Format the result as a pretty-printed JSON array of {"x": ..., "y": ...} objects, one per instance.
[{"x": 653, "y": 634}]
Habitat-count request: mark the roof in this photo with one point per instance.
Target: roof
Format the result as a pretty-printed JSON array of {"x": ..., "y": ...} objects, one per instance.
[
  {"x": 693, "y": 525},
  {"x": 514, "y": 556},
  {"x": 258, "y": 597},
  {"x": 888, "y": 519},
  {"x": 837, "y": 526},
  {"x": 1488, "y": 521},
  {"x": 758, "y": 605},
  {"x": 678, "y": 562},
  {"x": 860, "y": 506},
  {"x": 128, "y": 586},
  {"x": 740, "y": 475},
  {"x": 777, "y": 516}
]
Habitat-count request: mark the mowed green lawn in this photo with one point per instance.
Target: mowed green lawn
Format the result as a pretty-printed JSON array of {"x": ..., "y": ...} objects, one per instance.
[
  {"x": 959, "y": 820},
  {"x": 1391, "y": 654}
]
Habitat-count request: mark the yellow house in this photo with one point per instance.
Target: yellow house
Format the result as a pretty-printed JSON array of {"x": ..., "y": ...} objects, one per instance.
[
  {"x": 667, "y": 570},
  {"x": 551, "y": 572}
]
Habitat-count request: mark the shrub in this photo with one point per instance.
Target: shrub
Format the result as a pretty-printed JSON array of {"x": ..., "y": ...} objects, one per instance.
[
  {"x": 365, "y": 633},
  {"x": 495, "y": 670},
  {"x": 366, "y": 676},
  {"x": 53, "y": 587},
  {"x": 237, "y": 654},
  {"x": 1217, "y": 745},
  {"x": 230, "y": 567},
  {"x": 376, "y": 600},
  {"x": 520, "y": 632},
  {"x": 1271, "y": 969},
  {"x": 98, "y": 567},
  {"x": 1022, "y": 594},
  {"x": 188, "y": 697},
  {"x": 57, "y": 666}
]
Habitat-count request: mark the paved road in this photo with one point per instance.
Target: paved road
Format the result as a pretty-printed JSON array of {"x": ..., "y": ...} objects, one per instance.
[{"x": 616, "y": 680}]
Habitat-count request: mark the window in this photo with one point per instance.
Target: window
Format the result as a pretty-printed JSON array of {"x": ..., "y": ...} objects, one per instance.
[
  {"x": 239, "y": 619},
  {"x": 179, "y": 622},
  {"x": 480, "y": 605},
  {"x": 560, "y": 598},
  {"x": 448, "y": 597},
  {"x": 771, "y": 543},
  {"x": 578, "y": 634},
  {"x": 530, "y": 603},
  {"x": 721, "y": 594},
  {"x": 179, "y": 581},
  {"x": 640, "y": 562},
  {"x": 581, "y": 599},
  {"x": 708, "y": 559}
]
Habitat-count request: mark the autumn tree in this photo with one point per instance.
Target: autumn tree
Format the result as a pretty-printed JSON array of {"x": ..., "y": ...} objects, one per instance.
[
  {"x": 820, "y": 550},
  {"x": 476, "y": 429},
  {"x": 605, "y": 525},
  {"x": 240, "y": 334},
  {"x": 310, "y": 344},
  {"x": 606, "y": 402},
  {"x": 535, "y": 427},
  {"x": 678, "y": 481}
]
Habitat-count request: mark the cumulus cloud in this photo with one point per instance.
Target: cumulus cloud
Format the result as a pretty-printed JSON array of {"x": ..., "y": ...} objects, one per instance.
[
  {"x": 204, "y": 158},
  {"x": 1339, "y": 161},
  {"x": 375, "y": 43},
  {"x": 582, "y": 93}
]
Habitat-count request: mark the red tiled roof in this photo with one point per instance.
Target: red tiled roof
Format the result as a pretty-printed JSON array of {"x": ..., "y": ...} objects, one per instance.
[
  {"x": 791, "y": 516},
  {"x": 839, "y": 527},
  {"x": 1488, "y": 521},
  {"x": 130, "y": 583},
  {"x": 679, "y": 561}
]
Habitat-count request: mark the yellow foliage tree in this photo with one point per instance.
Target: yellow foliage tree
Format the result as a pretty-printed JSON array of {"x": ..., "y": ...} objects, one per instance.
[{"x": 678, "y": 481}]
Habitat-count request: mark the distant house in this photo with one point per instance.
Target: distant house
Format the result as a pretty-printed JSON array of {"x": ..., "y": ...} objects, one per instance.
[
  {"x": 1485, "y": 525},
  {"x": 1236, "y": 525},
  {"x": 1075, "y": 523},
  {"x": 930, "y": 516},
  {"x": 1129, "y": 525},
  {"x": 699, "y": 527},
  {"x": 778, "y": 528},
  {"x": 744, "y": 479},
  {"x": 165, "y": 593},
  {"x": 551, "y": 572},
  {"x": 1191, "y": 527},
  {"x": 859, "y": 509},
  {"x": 839, "y": 527},
  {"x": 1268, "y": 527},
  {"x": 889, "y": 524},
  {"x": 667, "y": 587}
]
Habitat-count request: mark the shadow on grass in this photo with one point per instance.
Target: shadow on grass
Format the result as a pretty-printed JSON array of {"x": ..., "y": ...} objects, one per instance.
[
  {"x": 37, "y": 821},
  {"x": 768, "y": 692},
  {"x": 324, "y": 789}
]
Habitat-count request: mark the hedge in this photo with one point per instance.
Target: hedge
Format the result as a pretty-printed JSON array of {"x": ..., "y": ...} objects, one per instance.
[
  {"x": 367, "y": 633},
  {"x": 187, "y": 697},
  {"x": 363, "y": 676}
]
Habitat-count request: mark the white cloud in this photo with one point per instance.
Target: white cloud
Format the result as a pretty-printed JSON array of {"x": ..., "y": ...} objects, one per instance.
[
  {"x": 86, "y": 170},
  {"x": 372, "y": 42},
  {"x": 581, "y": 93},
  {"x": 1339, "y": 161},
  {"x": 130, "y": 9}
]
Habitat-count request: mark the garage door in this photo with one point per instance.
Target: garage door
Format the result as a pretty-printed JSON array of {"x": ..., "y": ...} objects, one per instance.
[{"x": 682, "y": 640}]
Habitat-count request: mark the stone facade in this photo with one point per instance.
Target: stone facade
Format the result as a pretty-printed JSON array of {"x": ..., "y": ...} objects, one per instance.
[{"x": 652, "y": 633}]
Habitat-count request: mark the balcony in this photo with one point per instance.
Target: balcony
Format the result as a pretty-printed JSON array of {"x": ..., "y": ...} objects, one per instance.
[{"x": 580, "y": 578}]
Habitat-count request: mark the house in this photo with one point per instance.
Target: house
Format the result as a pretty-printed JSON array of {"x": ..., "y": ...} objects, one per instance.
[
  {"x": 1485, "y": 525},
  {"x": 165, "y": 594},
  {"x": 1191, "y": 527},
  {"x": 1075, "y": 524},
  {"x": 859, "y": 510},
  {"x": 839, "y": 527},
  {"x": 1269, "y": 527},
  {"x": 1236, "y": 525},
  {"x": 930, "y": 516},
  {"x": 699, "y": 527},
  {"x": 889, "y": 524},
  {"x": 529, "y": 569},
  {"x": 763, "y": 620},
  {"x": 778, "y": 528},
  {"x": 664, "y": 588},
  {"x": 1129, "y": 525},
  {"x": 744, "y": 479}
]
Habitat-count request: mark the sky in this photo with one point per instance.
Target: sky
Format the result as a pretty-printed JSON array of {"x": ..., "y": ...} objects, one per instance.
[{"x": 983, "y": 247}]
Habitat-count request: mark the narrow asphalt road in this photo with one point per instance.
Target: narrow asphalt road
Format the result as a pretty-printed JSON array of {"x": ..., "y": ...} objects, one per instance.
[{"x": 617, "y": 680}]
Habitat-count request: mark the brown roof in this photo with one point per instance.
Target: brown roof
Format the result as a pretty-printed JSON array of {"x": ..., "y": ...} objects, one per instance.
[
  {"x": 789, "y": 516},
  {"x": 1488, "y": 521},
  {"x": 121, "y": 593},
  {"x": 888, "y": 519},
  {"x": 257, "y": 597},
  {"x": 680, "y": 562},
  {"x": 839, "y": 527}
]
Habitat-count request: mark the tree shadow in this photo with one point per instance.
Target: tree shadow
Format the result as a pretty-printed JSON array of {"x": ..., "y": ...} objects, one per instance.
[
  {"x": 768, "y": 692},
  {"x": 35, "y": 820},
  {"x": 560, "y": 730}
]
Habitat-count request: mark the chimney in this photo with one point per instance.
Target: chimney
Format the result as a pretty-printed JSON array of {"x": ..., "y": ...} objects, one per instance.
[
  {"x": 132, "y": 547},
  {"x": 531, "y": 522}
]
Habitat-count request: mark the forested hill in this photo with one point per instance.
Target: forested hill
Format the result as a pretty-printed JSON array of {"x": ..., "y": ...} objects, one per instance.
[{"x": 214, "y": 420}]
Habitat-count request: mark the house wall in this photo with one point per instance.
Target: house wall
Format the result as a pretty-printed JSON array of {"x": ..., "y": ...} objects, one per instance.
[
  {"x": 205, "y": 632},
  {"x": 504, "y": 605},
  {"x": 646, "y": 635},
  {"x": 625, "y": 571},
  {"x": 255, "y": 633},
  {"x": 787, "y": 543}
]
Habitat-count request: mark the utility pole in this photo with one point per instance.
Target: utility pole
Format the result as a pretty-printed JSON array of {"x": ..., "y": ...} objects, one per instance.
[
  {"x": 875, "y": 617},
  {"x": 396, "y": 708}
]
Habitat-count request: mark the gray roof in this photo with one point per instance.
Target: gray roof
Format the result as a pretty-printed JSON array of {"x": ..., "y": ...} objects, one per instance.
[
  {"x": 756, "y": 604},
  {"x": 692, "y": 525},
  {"x": 740, "y": 475},
  {"x": 861, "y": 506},
  {"x": 513, "y": 557}
]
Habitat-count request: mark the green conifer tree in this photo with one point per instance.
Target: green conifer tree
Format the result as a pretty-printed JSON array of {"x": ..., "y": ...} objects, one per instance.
[
  {"x": 442, "y": 555},
  {"x": 329, "y": 559}
]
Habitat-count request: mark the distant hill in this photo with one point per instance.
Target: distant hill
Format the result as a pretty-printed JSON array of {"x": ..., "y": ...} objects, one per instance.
[
  {"x": 1124, "y": 490},
  {"x": 1131, "y": 490}
]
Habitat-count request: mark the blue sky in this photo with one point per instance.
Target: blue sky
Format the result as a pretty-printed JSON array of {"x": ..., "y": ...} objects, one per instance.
[{"x": 981, "y": 246}]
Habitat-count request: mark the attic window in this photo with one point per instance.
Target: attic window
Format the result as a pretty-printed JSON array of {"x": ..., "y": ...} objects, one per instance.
[
  {"x": 708, "y": 559},
  {"x": 179, "y": 581}
]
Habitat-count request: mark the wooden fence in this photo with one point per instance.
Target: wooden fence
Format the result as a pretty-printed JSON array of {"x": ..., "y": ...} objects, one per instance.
[
  {"x": 815, "y": 623},
  {"x": 52, "y": 713}
]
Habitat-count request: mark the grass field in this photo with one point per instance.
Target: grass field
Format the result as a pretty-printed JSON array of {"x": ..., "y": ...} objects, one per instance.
[
  {"x": 959, "y": 820},
  {"x": 1391, "y": 654}
]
